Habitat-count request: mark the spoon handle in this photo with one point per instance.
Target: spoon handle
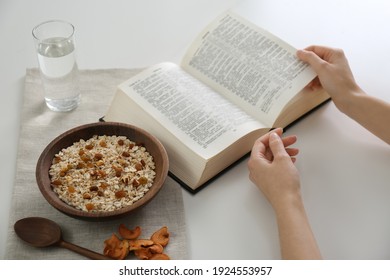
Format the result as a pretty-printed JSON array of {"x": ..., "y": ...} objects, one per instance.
[{"x": 82, "y": 251}]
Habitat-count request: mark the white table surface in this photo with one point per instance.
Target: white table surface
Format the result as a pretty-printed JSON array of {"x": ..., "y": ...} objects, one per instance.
[{"x": 345, "y": 170}]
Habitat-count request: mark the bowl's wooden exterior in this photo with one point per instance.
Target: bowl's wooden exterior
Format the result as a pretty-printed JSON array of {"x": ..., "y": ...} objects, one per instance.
[{"x": 152, "y": 145}]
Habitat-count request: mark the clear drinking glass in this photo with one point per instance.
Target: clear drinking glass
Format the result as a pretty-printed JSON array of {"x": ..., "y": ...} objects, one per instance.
[{"x": 55, "y": 44}]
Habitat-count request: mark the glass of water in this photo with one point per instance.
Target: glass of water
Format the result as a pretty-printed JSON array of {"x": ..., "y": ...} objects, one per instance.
[{"x": 55, "y": 45}]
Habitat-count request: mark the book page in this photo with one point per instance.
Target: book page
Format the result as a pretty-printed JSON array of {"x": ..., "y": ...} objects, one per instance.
[
  {"x": 188, "y": 109},
  {"x": 250, "y": 66}
]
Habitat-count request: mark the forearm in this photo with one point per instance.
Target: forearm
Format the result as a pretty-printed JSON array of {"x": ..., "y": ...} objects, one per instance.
[
  {"x": 372, "y": 113},
  {"x": 296, "y": 237}
]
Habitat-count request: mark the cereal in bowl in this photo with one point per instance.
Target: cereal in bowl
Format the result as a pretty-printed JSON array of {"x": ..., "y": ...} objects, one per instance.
[{"x": 103, "y": 173}]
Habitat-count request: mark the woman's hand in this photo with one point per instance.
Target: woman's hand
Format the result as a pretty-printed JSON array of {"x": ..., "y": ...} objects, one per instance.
[
  {"x": 334, "y": 73},
  {"x": 271, "y": 168}
]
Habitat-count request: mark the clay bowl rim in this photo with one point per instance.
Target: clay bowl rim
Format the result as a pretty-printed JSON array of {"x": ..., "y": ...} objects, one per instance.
[{"x": 86, "y": 131}]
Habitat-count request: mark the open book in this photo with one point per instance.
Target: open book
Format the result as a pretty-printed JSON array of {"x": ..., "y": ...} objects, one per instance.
[{"x": 235, "y": 83}]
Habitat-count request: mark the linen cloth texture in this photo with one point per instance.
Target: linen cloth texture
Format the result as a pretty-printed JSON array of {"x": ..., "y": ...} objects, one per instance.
[{"x": 39, "y": 126}]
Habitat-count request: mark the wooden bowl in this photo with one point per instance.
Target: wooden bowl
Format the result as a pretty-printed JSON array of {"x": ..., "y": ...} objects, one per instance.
[{"x": 135, "y": 134}]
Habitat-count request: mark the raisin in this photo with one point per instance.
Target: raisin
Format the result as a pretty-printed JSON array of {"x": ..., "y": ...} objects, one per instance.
[
  {"x": 57, "y": 182},
  {"x": 89, "y": 206},
  {"x": 102, "y": 173},
  {"x": 135, "y": 183},
  {"x": 85, "y": 158},
  {"x": 80, "y": 165},
  {"x": 138, "y": 166},
  {"x": 87, "y": 196},
  {"x": 126, "y": 154},
  {"x": 143, "y": 180},
  {"x": 118, "y": 170},
  {"x": 89, "y": 146},
  {"x": 98, "y": 156},
  {"x": 120, "y": 194}
]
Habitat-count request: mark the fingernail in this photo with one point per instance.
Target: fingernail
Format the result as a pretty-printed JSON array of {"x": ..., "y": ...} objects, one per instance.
[{"x": 274, "y": 135}]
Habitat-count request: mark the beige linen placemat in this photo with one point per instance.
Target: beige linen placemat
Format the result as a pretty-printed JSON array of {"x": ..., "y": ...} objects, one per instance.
[{"x": 39, "y": 126}]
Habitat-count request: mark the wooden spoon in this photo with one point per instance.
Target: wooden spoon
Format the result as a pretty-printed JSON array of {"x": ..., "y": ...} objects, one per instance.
[{"x": 41, "y": 232}]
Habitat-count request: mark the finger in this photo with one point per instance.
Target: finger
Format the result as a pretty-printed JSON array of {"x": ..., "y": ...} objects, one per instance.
[
  {"x": 314, "y": 84},
  {"x": 278, "y": 131},
  {"x": 264, "y": 139},
  {"x": 261, "y": 145},
  {"x": 268, "y": 153},
  {"x": 293, "y": 159},
  {"x": 276, "y": 146},
  {"x": 321, "y": 51},
  {"x": 292, "y": 152},
  {"x": 326, "y": 54},
  {"x": 259, "y": 148},
  {"x": 289, "y": 140},
  {"x": 311, "y": 58}
]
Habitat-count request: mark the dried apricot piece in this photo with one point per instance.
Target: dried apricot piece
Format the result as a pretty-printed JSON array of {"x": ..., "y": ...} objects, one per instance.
[
  {"x": 119, "y": 252},
  {"x": 111, "y": 243},
  {"x": 156, "y": 248},
  {"x": 127, "y": 233},
  {"x": 161, "y": 236},
  {"x": 148, "y": 252},
  {"x": 143, "y": 249},
  {"x": 143, "y": 253},
  {"x": 161, "y": 256},
  {"x": 136, "y": 244},
  {"x": 124, "y": 247},
  {"x": 116, "y": 248}
]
